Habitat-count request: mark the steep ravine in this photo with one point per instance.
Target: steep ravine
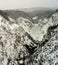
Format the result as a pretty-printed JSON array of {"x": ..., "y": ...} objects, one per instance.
[{"x": 25, "y": 43}]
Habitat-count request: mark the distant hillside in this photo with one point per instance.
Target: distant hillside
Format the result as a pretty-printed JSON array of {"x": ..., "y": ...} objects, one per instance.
[
  {"x": 29, "y": 13},
  {"x": 16, "y": 13},
  {"x": 4, "y": 14},
  {"x": 40, "y": 12}
]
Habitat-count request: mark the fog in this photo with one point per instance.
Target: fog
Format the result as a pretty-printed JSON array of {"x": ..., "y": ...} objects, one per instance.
[{"x": 16, "y": 4}]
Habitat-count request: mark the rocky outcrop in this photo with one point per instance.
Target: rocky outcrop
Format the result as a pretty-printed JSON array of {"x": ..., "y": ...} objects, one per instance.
[
  {"x": 38, "y": 31},
  {"x": 47, "y": 54},
  {"x": 25, "y": 43},
  {"x": 44, "y": 33},
  {"x": 15, "y": 43}
]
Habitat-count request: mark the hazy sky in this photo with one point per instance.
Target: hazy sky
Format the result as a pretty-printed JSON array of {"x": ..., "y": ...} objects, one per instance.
[{"x": 15, "y": 4}]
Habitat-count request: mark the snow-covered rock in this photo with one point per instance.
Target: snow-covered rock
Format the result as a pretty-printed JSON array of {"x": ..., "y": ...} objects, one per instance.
[
  {"x": 13, "y": 43},
  {"x": 19, "y": 40},
  {"x": 38, "y": 31},
  {"x": 48, "y": 54},
  {"x": 10, "y": 42}
]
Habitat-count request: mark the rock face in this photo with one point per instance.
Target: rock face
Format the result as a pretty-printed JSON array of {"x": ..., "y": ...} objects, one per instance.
[
  {"x": 15, "y": 43},
  {"x": 25, "y": 43},
  {"x": 39, "y": 30},
  {"x": 48, "y": 54}
]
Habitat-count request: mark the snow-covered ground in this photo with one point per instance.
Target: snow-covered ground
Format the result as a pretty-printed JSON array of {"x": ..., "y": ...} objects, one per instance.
[
  {"x": 38, "y": 31},
  {"x": 18, "y": 38}
]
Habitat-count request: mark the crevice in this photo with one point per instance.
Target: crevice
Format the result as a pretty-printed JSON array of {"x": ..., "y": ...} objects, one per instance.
[
  {"x": 30, "y": 49},
  {"x": 9, "y": 60},
  {"x": 34, "y": 41}
]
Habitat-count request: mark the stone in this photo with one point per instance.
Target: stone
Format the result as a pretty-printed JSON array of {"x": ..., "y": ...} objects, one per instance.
[{"x": 25, "y": 43}]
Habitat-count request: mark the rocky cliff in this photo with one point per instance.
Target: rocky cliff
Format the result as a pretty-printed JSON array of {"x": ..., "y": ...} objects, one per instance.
[{"x": 25, "y": 43}]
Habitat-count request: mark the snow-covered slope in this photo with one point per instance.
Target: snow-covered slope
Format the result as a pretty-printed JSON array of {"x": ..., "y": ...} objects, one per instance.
[
  {"x": 14, "y": 43},
  {"x": 38, "y": 31},
  {"x": 19, "y": 40}
]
